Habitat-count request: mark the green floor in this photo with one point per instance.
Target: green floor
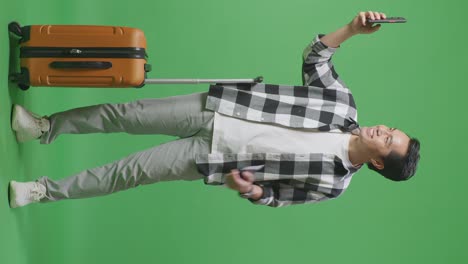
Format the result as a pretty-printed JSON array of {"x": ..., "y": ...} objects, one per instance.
[{"x": 411, "y": 76}]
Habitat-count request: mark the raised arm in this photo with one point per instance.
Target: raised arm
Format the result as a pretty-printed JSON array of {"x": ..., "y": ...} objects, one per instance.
[
  {"x": 317, "y": 69},
  {"x": 358, "y": 25}
]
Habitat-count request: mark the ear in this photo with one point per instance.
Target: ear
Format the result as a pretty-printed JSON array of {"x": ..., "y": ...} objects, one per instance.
[{"x": 377, "y": 163}]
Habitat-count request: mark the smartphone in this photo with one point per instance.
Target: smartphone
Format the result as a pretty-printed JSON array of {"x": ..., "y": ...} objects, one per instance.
[
  {"x": 388, "y": 20},
  {"x": 252, "y": 168}
]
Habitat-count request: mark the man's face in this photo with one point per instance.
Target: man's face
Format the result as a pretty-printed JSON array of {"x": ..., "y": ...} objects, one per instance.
[{"x": 381, "y": 140}]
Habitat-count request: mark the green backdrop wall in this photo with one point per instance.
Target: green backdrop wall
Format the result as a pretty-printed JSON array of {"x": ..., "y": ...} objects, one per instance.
[{"x": 411, "y": 76}]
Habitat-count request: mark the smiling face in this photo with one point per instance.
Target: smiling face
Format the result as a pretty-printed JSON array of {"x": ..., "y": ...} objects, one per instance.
[{"x": 380, "y": 140}]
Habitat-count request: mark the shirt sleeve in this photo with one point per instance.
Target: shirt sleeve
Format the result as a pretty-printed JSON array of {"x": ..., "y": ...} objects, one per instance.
[
  {"x": 281, "y": 193},
  {"x": 317, "y": 68}
]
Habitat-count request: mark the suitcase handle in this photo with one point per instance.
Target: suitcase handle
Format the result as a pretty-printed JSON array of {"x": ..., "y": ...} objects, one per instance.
[
  {"x": 258, "y": 79},
  {"x": 81, "y": 65}
]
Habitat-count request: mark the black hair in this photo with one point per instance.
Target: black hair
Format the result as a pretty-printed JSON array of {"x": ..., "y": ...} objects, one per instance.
[{"x": 397, "y": 167}]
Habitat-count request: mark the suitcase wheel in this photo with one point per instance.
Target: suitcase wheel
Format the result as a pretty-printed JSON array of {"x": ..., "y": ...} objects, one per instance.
[
  {"x": 15, "y": 28},
  {"x": 21, "y": 78},
  {"x": 23, "y": 87},
  {"x": 17, "y": 78}
]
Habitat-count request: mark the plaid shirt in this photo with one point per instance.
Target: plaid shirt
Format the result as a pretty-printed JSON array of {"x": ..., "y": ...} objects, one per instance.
[{"x": 322, "y": 104}]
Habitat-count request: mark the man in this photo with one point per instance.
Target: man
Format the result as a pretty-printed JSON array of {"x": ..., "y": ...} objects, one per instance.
[{"x": 275, "y": 145}]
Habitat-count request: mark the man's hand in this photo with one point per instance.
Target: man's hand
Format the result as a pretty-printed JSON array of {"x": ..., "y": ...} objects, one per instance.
[
  {"x": 241, "y": 184},
  {"x": 359, "y": 24}
]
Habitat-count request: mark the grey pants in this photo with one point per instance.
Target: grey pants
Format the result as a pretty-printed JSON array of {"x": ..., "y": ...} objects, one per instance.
[{"x": 181, "y": 116}]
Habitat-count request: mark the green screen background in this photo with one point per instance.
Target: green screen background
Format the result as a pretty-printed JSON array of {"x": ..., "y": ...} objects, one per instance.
[{"x": 409, "y": 75}]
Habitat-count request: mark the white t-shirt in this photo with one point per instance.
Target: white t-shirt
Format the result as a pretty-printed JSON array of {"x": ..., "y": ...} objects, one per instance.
[{"x": 233, "y": 135}]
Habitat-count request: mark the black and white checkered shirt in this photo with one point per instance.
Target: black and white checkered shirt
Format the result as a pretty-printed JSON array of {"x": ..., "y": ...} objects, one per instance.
[{"x": 323, "y": 103}]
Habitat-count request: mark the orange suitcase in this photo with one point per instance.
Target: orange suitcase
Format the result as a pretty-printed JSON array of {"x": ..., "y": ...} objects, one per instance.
[
  {"x": 87, "y": 56},
  {"x": 81, "y": 56}
]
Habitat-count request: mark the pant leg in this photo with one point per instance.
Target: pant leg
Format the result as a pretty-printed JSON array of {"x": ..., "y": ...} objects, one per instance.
[
  {"x": 180, "y": 116},
  {"x": 174, "y": 160}
]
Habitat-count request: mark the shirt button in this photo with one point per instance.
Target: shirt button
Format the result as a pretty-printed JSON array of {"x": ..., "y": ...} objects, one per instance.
[{"x": 238, "y": 113}]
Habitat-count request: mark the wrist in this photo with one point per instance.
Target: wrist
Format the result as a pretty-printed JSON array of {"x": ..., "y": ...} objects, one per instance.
[
  {"x": 350, "y": 30},
  {"x": 246, "y": 190},
  {"x": 255, "y": 193}
]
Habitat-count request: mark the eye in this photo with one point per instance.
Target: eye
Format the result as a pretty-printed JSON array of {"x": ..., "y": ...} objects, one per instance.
[{"x": 388, "y": 140}]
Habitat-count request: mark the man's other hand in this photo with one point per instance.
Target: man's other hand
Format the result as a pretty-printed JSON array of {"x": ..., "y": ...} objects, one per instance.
[{"x": 239, "y": 183}]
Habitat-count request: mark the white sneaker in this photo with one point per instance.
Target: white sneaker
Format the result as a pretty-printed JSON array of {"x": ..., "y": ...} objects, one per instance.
[
  {"x": 24, "y": 193},
  {"x": 28, "y": 125}
]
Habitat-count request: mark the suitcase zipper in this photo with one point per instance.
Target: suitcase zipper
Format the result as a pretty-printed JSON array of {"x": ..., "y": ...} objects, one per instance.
[{"x": 49, "y": 52}]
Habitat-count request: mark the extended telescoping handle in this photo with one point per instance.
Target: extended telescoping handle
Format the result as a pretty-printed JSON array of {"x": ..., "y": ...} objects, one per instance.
[{"x": 259, "y": 79}]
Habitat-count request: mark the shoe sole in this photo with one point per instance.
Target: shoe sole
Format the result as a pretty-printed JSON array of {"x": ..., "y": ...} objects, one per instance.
[
  {"x": 14, "y": 119},
  {"x": 17, "y": 111},
  {"x": 12, "y": 194}
]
